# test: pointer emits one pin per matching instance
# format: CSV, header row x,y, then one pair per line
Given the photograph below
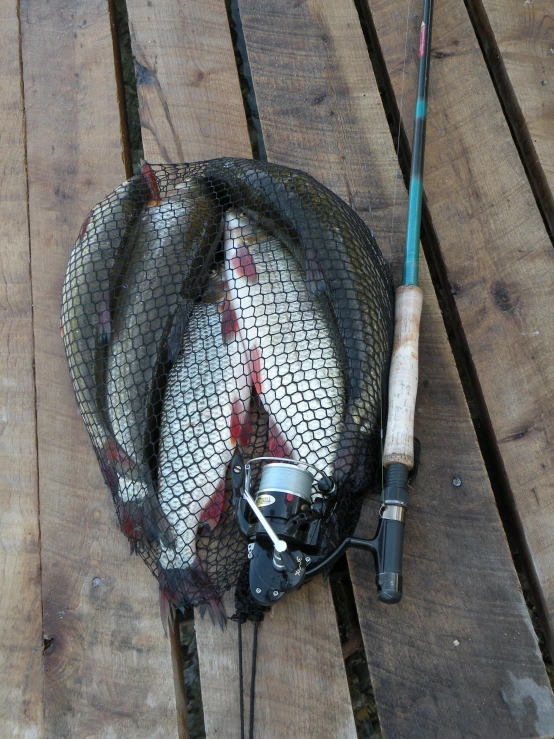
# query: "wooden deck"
x,y
82,650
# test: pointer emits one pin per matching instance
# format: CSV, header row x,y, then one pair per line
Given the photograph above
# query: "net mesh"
x,y
216,306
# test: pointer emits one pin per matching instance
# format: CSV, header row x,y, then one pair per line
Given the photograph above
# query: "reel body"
x,y
286,525
283,523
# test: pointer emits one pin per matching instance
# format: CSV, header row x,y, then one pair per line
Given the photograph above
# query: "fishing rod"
x,y
295,501
398,457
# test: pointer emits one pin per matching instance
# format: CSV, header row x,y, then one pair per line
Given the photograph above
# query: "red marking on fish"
x,y
115,454
61,328
241,424
211,513
131,517
229,321
84,226
243,265
152,182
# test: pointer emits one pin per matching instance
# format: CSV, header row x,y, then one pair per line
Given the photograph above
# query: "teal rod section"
x,y
413,227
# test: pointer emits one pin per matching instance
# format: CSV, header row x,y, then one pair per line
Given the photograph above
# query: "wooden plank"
x,y
462,607
208,121
21,676
459,656
518,38
189,95
108,667
499,261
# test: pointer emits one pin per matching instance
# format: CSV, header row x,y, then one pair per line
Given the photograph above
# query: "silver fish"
x,y
290,347
205,415
86,319
172,234
340,259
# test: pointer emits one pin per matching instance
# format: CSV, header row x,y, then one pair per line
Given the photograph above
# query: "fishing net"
x,y
221,306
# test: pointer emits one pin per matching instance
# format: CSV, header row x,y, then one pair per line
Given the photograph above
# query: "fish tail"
x,y
184,588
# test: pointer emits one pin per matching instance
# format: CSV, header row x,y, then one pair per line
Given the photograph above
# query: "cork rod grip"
x,y
399,440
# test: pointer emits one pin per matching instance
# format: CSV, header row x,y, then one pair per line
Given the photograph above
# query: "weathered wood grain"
x,y
499,261
300,687
189,94
518,38
458,657
108,666
208,121
21,676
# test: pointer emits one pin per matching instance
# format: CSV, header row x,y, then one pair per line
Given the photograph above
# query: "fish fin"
x,y
241,423
134,523
167,612
109,473
211,513
242,263
84,226
159,529
216,612
189,586
152,182
114,453
229,321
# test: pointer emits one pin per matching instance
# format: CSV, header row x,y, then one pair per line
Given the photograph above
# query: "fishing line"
x,y
252,680
241,682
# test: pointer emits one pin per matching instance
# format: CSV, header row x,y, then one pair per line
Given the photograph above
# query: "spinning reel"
x,y
286,523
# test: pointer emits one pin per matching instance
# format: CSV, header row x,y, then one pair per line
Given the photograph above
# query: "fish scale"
x,y
171,234
339,259
290,347
208,392
86,320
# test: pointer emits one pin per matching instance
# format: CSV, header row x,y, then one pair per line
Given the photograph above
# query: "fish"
x,y
340,259
86,320
290,344
205,418
174,233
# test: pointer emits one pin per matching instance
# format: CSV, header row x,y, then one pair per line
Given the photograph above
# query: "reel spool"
x,y
284,525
